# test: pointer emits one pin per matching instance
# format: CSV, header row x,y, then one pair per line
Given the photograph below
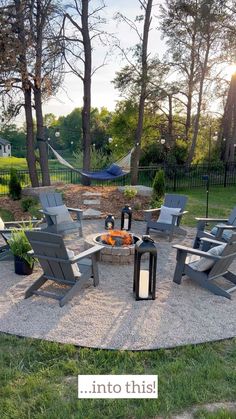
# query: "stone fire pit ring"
x,y
112,254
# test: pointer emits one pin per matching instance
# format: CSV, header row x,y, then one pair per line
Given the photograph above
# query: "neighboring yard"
x,y
20,163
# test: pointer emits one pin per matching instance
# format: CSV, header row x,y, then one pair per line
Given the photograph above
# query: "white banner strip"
x,y
117,386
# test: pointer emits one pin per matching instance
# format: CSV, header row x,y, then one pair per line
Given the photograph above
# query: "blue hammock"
x,y
104,174
115,171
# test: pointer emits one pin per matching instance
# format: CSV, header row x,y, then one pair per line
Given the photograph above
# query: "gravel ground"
x,y
109,317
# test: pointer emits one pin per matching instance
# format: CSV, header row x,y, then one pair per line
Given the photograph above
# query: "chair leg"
x,y
6,254
95,269
179,269
35,286
215,289
73,291
171,235
230,277
147,230
79,219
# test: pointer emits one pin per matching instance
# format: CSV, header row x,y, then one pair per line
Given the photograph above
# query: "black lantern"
x,y
109,222
126,218
144,284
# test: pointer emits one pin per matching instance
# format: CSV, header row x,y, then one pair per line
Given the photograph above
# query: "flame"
x,y
110,238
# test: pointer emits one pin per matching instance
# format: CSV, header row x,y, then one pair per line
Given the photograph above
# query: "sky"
x,y
104,94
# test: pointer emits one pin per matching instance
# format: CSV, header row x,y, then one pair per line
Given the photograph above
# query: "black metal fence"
x,y
177,177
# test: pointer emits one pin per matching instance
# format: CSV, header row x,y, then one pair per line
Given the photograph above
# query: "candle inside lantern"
x,y
144,284
126,224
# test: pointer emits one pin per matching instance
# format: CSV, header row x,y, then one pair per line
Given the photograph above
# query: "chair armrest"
x,y
175,217
211,219
195,252
179,214
182,213
226,226
86,253
9,230
213,241
75,209
200,253
6,230
19,223
152,210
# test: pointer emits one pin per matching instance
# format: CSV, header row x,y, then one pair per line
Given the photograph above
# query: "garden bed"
x,y
111,201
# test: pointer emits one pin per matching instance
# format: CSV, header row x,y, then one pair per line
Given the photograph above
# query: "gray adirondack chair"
x,y
223,229
170,201
220,267
57,267
54,199
5,232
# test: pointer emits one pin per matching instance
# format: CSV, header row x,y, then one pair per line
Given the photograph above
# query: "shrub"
x,y
28,202
156,203
34,212
130,192
137,206
14,186
159,185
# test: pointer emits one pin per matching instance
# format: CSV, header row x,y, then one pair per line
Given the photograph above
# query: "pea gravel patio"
x,y
109,317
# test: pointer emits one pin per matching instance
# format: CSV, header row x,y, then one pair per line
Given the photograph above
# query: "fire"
x,y
115,236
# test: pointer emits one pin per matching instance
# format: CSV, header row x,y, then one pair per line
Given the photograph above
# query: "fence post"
x,y
71,176
225,175
175,179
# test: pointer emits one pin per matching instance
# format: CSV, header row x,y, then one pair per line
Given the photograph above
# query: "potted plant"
x,y
20,247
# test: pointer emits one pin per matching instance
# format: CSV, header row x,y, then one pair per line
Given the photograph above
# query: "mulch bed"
x,y
111,201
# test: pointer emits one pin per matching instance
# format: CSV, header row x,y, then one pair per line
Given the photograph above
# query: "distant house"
x,y
5,148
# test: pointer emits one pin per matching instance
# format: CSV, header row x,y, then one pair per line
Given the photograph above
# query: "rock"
x,y
142,190
39,189
92,202
91,213
92,193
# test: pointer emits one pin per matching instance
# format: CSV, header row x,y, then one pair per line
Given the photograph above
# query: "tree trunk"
x,y
144,70
26,87
190,88
199,105
228,127
87,90
41,130
41,138
30,156
170,121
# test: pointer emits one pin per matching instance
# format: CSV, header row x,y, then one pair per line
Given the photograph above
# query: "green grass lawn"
x,y
221,202
17,162
39,379
20,163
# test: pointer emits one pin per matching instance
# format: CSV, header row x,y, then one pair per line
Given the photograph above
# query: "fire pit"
x,y
118,246
116,238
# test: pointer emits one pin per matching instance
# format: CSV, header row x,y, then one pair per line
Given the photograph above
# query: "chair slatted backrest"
x,y
175,201
221,266
51,252
50,199
232,217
